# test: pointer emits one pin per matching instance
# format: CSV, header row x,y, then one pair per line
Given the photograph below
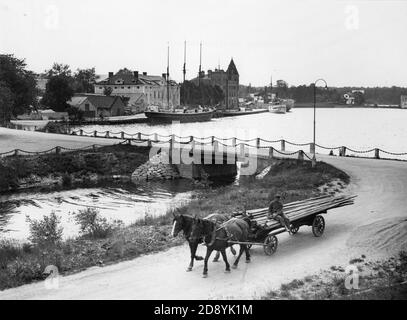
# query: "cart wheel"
x,y
318,225
294,230
270,245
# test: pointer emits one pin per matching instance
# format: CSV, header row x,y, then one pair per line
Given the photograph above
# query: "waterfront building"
x,y
141,89
96,105
227,80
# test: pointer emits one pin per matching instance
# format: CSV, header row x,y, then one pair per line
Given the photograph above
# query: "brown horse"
x,y
218,237
184,223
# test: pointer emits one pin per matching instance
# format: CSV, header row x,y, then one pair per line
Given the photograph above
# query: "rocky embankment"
x,y
156,168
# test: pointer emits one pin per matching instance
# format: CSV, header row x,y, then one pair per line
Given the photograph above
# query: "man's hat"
x,y
277,195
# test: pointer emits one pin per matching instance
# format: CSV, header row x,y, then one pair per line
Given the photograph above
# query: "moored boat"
x,y
278,108
233,113
180,113
182,116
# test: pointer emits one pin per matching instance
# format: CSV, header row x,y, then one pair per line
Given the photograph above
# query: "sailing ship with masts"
x,y
182,113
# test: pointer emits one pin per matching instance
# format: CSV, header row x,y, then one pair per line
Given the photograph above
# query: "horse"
x,y
217,238
184,222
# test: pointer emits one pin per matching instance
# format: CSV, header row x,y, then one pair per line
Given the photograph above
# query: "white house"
x,y
142,90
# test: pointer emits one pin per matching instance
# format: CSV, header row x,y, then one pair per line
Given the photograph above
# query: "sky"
x,y
348,43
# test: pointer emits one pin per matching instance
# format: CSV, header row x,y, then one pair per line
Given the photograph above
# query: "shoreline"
x,y
152,234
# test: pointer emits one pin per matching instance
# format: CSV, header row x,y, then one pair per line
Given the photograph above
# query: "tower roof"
x,y
232,68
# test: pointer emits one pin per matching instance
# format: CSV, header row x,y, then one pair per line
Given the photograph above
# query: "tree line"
x,y
19,93
305,93
205,94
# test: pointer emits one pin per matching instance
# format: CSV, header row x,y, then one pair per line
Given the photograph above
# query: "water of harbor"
x,y
356,128
126,203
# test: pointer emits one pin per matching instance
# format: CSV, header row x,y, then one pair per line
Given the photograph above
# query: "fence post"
x,y
312,148
258,143
342,151
122,135
192,142
233,142
57,150
94,147
138,135
213,140
376,153
149,144
95,133
155,137
16,152
171,147
242,150
300,155
81,132
282,145
271,151
107,134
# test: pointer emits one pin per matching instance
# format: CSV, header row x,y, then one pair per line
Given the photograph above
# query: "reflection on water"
x,y
127,203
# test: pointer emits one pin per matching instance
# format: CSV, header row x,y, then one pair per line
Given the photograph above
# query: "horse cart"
x,y
264,231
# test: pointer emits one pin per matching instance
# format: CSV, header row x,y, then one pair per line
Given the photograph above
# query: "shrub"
x,y
54,127
9,250
46,232
93,225
8,178
66,180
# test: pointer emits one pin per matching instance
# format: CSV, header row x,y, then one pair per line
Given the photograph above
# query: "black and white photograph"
x,y
228,152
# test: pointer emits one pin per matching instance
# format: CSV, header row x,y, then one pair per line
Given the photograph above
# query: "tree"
x,y
107,91
58,91
18,84
84,80
6,103
75,113
59,69
359,98
191,94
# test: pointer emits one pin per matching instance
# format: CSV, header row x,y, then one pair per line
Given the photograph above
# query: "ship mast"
x,y
200,64
184,70
168,76
200,71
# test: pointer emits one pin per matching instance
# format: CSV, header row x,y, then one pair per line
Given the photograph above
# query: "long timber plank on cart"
x,y
300,209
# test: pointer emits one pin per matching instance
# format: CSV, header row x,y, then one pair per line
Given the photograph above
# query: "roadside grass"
x,y
380,280
22,263
295,181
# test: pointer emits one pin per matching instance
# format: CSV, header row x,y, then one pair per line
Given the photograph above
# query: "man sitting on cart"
x,y
276,212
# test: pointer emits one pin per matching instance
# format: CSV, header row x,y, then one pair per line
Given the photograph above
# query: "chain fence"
x,y
259,143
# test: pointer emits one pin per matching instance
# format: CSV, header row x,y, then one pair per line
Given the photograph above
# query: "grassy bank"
x,y
295,181
68,168
377,280
23,263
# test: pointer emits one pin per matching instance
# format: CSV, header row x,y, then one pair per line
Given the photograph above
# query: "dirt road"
x,y
376,225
